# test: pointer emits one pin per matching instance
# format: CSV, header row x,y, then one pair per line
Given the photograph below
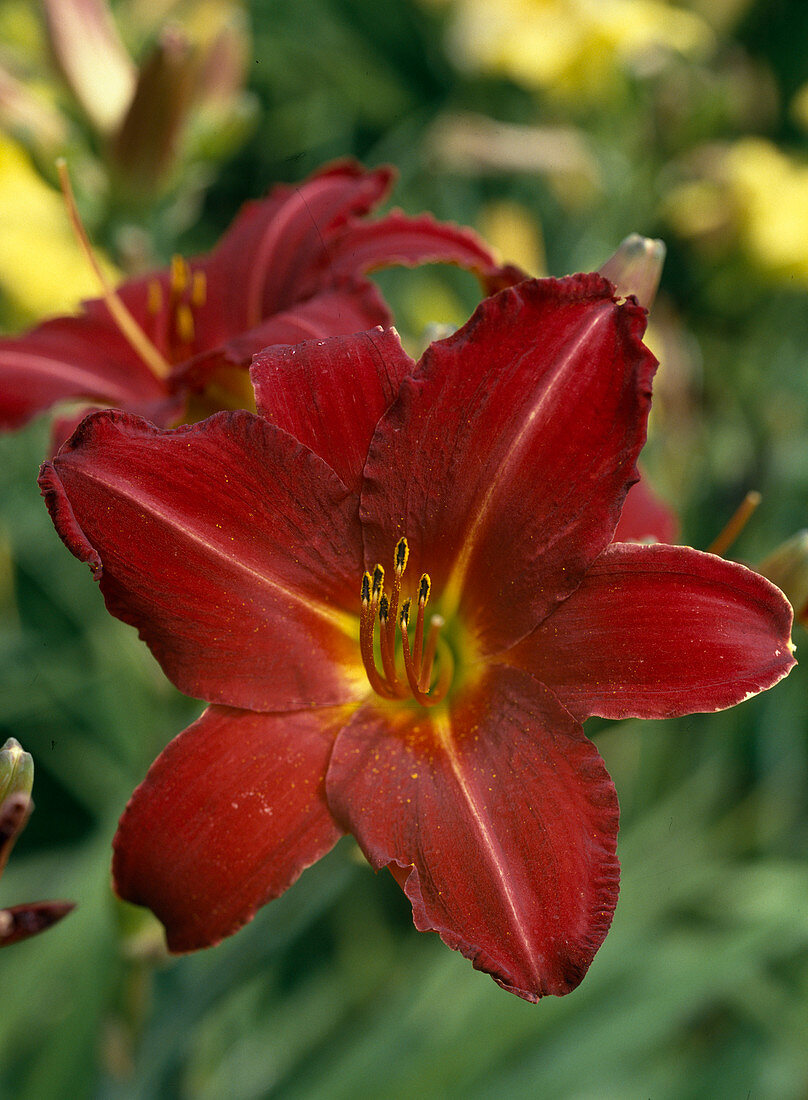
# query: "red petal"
x,y
657,631
505,814
71,358
506,459
645,518
227,818
163,413
329,394
409,241
353,307
265,257
230,546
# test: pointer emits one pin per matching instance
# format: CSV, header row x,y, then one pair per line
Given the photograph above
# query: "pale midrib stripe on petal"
x,y
341,620
272,235
454,586
488,843
86,382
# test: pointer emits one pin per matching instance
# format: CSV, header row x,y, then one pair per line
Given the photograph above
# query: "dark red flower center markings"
x,y
428,664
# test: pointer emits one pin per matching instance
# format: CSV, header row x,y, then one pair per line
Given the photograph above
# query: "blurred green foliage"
x,y
702,986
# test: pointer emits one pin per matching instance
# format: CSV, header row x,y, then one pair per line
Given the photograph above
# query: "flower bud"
x,y
16,770
22,921
636,268
146,147
16,780
787,567
92,58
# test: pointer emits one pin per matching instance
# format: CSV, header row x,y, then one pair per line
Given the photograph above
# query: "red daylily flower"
x,y
432,710
291,267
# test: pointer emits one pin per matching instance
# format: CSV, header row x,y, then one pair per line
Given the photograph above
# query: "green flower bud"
x,y
787,567
16,770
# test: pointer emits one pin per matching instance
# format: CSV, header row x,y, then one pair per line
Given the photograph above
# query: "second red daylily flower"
x,y
291,267
397,588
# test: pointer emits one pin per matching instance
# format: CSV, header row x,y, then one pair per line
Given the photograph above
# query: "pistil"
x,y
430,651
738,520
128,326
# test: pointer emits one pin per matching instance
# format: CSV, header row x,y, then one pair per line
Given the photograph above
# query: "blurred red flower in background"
x,y
291,267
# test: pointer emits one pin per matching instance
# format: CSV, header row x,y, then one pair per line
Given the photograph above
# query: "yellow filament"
x,y
130,329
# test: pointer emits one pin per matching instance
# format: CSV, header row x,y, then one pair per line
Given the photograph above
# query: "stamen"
x,y
199,289
184,322
130,329
367,618
419,659
424,698
179,275
400,556
722,542
388,650
423,596
155,297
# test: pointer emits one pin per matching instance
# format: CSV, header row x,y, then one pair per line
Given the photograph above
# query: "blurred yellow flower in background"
x,y
42,269
750,195
573,48
153,119
515,234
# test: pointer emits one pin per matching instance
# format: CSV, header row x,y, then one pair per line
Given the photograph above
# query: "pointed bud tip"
x,y
636,268
787,567
16,770
23,921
